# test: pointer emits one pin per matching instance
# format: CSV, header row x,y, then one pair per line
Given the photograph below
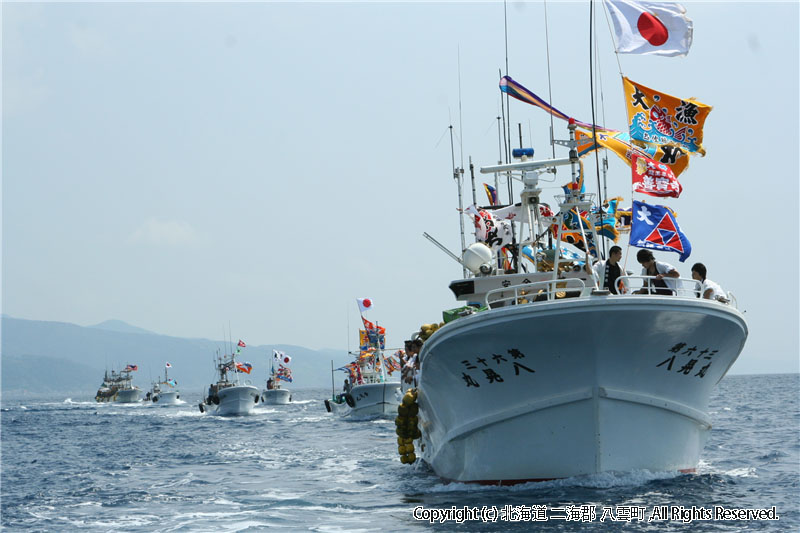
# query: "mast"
x,y
458,175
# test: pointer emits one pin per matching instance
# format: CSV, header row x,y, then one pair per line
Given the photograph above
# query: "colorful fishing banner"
x,y
620,144
655,227
376,335
512,88
131,368
491,193
244,367
495,233
658,118
653,178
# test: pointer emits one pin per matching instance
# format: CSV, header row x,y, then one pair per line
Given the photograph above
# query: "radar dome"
x,y
476,255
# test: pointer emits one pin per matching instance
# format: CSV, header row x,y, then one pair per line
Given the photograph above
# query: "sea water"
x,y
70,464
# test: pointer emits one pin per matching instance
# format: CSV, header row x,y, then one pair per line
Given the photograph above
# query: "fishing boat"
x,y
544,372
126,391
108,389
274,393
164,392
367,391
230,397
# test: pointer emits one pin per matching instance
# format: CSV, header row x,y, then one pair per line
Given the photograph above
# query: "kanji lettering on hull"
x,y
688,367
491,368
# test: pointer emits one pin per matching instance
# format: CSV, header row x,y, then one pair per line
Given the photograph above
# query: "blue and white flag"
x,y
655,227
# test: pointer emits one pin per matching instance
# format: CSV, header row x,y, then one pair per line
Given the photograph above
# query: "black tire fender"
x,y
349,399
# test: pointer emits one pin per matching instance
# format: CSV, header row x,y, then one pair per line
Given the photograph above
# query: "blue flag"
x,y
655,227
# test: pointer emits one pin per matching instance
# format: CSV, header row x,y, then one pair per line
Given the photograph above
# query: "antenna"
x,y
458,174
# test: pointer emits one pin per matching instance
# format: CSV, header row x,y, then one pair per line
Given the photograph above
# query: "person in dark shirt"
x,y
607,272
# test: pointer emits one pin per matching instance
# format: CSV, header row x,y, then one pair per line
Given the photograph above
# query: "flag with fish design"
x,y
658,118
620,144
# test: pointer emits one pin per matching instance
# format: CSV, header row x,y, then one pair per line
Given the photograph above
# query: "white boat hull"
x,y
276,397
374,399
128,396
233,401
574,387
166,398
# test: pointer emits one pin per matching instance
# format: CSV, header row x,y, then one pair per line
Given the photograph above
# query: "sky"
x,y
193,167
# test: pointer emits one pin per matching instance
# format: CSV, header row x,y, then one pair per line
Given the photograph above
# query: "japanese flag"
x,y
643,27
364,304
281,358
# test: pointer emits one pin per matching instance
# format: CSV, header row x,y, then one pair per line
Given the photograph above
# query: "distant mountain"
x,y
56,357
121,327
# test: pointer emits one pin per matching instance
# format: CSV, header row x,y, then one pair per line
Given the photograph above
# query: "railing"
x,y
684,287
535,292
549,290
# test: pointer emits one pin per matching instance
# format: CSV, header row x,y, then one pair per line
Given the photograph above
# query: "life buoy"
x,y
328,405
215,399
349,399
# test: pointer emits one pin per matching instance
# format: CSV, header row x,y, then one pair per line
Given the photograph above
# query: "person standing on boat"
x,y
665,275
347,387
708,289
607,272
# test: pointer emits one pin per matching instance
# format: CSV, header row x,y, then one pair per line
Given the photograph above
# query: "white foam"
x,y
603,480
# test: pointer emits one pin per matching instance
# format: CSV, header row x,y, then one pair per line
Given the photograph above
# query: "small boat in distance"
x,y
367,391
274,394
226,397
108,389
164,392
127,392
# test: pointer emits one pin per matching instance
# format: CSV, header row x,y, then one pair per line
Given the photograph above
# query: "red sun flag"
x,y
241,343
364,304
652,29
645,27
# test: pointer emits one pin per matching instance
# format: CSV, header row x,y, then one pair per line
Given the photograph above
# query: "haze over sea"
x,y
69,464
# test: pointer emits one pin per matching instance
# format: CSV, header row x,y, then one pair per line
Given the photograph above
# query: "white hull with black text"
x,y
373,399
550,376
561,404
276,396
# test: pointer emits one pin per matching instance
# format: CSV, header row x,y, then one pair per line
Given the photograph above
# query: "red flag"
x,y
241,343
653,178
370,326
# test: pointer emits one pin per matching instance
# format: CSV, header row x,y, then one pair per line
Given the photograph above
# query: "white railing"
x,y
684,287
541,291
535,292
